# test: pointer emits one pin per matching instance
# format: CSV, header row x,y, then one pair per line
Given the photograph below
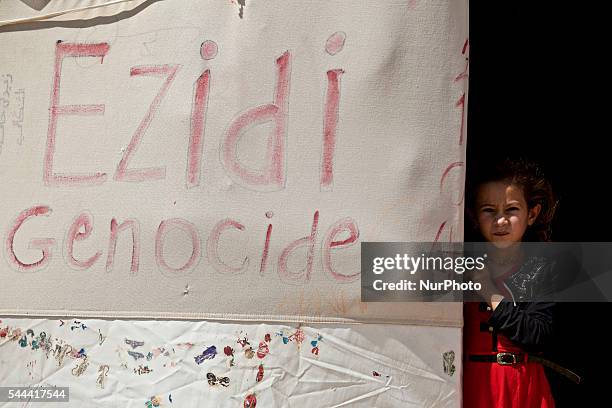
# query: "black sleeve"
x,y
530,325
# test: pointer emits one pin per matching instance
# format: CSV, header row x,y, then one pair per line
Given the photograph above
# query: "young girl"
x,y
508,203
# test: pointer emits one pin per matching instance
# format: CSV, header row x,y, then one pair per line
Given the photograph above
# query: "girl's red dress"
x,y
491,385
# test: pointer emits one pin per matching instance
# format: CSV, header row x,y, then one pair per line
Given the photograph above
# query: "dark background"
x,y
535,90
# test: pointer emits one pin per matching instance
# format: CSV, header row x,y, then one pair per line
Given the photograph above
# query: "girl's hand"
x,y
489,291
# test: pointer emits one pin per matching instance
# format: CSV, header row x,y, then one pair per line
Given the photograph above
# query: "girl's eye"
x,y
512,209
488,210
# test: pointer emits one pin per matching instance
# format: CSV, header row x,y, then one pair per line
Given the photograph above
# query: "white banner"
x,y
217,159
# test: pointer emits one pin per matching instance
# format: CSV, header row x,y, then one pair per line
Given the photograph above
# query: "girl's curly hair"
x,y
536,188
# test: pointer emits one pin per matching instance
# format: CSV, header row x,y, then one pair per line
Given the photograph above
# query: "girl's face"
x,y
502,213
